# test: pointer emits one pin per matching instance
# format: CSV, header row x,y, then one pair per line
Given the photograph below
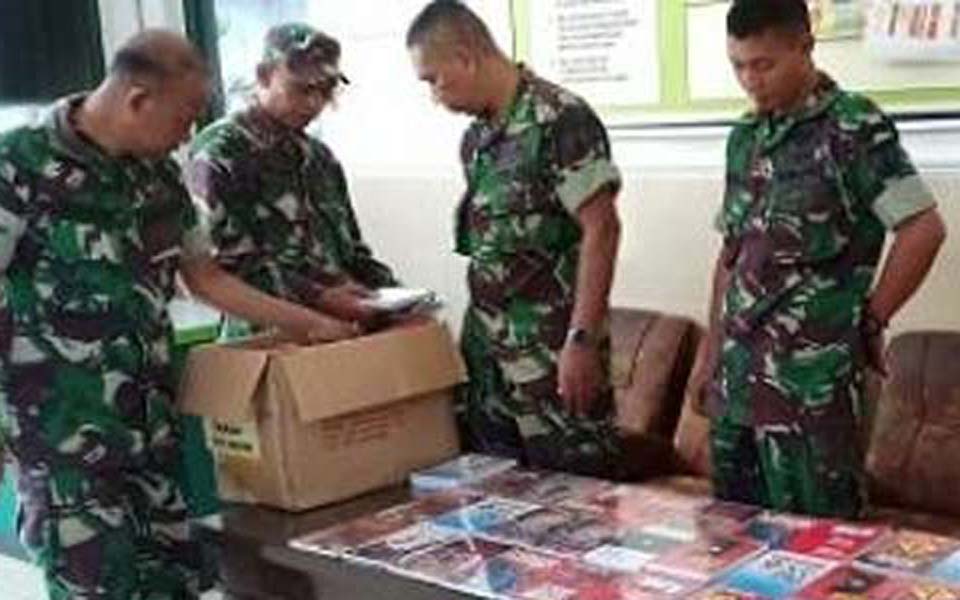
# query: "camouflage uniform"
x,y
278,207
809,196
89,247
526,177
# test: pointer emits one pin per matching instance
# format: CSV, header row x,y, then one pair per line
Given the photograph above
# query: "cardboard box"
x,y
298,427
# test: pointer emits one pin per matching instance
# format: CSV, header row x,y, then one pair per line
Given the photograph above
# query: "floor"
x,y
21,581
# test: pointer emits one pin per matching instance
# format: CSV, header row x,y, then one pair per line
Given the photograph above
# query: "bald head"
x,y
156,56
157,87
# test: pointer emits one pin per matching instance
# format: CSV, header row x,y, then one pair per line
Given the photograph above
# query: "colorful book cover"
x,y
631,551
910,551
560,530
834,540
349,536
559,488
704,559
571,580
452,562
653,586
720,592
776,574
848,582
395,548
514,484
925,590
638,505
721,517
947,569
485,515
509,572
461,471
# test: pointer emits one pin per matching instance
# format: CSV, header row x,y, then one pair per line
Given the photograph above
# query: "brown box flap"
x,y
220,382
354,375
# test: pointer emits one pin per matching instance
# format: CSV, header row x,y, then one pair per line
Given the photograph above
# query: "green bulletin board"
x,y
901,87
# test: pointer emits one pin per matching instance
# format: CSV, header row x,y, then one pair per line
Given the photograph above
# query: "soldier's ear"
x,y
136,97
264,73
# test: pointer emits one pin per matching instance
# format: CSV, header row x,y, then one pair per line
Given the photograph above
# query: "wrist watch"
x,y
581,336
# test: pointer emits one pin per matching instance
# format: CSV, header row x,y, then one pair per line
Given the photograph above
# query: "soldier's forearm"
x,y
231,295
598,255
915,246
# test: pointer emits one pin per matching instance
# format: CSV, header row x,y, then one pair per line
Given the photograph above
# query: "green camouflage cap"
x,y
305,51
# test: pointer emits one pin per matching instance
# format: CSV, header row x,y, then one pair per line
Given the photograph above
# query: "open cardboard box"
x,y
298,427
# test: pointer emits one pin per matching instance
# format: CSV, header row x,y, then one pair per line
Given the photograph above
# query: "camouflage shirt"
x,y
278,206
809,197
89,248
527,175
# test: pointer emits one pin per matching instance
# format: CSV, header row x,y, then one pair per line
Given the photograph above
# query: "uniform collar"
x,y
774,128
268,129
493,130
65,136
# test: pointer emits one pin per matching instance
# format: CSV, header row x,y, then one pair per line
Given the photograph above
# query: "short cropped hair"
x,y
450,21
747,18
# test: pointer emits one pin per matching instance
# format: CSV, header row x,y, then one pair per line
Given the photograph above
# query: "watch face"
x,y
579,336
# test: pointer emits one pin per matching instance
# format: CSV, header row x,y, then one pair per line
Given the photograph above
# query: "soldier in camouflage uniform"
x,y
280,212
94,223
539,225
815,178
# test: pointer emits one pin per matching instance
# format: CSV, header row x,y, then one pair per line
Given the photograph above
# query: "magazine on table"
x,y
636,504
449,563
511,572
850,581
776,574
631,551
484,516
347,537
393,549
722,592
947,569
559,530
834,540
706,558
459,472
541,487
909,551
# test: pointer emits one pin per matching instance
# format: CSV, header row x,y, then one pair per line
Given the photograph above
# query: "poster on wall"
x,y
836,19
605,51
915,30
849,47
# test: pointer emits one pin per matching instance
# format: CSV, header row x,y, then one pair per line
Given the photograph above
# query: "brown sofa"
x,y
912,441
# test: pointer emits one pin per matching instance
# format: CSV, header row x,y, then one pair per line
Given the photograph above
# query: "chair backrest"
x,y
651,358
914,453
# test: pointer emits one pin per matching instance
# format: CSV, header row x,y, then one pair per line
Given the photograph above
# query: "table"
x,y
256,562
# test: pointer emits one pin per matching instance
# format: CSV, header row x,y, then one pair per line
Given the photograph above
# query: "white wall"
x,y
400,154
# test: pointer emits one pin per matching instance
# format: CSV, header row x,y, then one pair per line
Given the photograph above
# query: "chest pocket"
x,y
513,210
807,211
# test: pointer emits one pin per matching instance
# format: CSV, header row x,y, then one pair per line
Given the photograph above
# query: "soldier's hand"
x,y
876,353
704,367
346,301
579,379
315,328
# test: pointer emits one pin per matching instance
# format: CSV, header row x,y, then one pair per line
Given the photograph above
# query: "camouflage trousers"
x,y
818,471
122,536
525,420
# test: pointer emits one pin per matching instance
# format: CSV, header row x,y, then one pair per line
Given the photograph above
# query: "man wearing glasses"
x,y
276,199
